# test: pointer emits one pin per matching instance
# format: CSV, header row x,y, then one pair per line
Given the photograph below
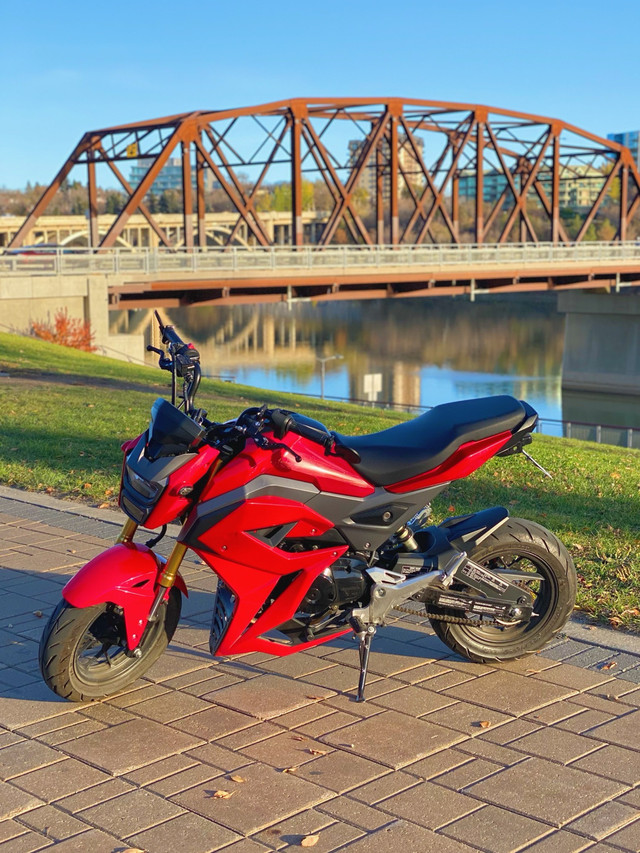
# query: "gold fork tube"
x,y
128,530
168,576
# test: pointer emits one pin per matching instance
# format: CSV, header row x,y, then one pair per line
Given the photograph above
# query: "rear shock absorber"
x,y
405,535
406,538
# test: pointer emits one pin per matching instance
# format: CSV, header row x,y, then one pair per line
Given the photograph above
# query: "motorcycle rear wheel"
x,y
83,653
522,545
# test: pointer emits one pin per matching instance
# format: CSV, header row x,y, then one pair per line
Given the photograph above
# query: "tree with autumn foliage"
x,y
66,331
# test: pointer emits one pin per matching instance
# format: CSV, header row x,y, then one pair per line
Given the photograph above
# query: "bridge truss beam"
x,y
370,285
389,171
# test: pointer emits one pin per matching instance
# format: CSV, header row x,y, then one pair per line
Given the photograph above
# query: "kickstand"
x,y
365,647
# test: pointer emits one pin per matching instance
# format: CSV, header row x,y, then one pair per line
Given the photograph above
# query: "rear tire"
x,y
82,651
528,545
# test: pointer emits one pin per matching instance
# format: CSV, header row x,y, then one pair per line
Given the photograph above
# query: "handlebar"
x,y
185,356
183,361
284,422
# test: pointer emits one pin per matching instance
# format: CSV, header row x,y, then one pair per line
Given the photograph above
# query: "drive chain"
x,y
445,617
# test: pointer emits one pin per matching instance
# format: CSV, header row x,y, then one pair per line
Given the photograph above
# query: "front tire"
x,y
83,651
523,545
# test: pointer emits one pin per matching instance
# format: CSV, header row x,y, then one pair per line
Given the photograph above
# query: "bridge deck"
x,y
180,277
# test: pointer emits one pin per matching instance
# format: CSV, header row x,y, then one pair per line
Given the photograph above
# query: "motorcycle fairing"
x,y
466,459
124,575
360,521
248,535
240,536
253,616
316,469
240,548
167,476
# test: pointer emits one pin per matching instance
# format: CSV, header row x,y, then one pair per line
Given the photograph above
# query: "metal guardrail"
x,y
601,434
150,261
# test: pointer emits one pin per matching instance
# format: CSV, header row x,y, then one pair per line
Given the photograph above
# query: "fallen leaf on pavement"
x,y
290,770
309,841
223,795
237,779
317,751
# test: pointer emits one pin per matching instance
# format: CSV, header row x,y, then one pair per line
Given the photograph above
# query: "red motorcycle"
x,y
312,534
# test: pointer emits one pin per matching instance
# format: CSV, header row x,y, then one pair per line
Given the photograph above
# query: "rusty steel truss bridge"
x,y
397,180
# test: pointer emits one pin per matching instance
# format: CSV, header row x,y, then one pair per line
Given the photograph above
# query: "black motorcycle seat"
x,y
420,445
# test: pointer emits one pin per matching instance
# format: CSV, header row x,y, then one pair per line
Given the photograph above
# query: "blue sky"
x,y
67,67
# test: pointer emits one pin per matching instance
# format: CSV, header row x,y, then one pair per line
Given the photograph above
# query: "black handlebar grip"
x,y
282,422
170,336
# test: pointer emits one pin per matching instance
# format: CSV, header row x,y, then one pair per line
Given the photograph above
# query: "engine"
x,y
341,584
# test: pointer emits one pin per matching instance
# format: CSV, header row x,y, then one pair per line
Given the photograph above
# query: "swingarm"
x,y
427,576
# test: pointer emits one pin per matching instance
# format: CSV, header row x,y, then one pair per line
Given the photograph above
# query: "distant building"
x,y
579,185
170,178
493,185
407,163
630,139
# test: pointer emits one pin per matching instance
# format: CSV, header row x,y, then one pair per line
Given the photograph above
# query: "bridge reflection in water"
x,y
410,354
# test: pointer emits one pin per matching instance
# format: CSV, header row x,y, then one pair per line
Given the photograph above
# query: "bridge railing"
x,y
149,261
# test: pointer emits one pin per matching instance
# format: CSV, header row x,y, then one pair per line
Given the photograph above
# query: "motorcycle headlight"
x,y
143,487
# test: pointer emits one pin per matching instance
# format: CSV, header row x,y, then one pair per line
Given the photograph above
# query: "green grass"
x,y
64,415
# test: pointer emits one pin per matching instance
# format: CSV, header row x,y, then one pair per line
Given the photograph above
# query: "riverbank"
x,y
65,413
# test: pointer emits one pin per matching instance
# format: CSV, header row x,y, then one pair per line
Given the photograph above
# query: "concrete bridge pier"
x,y
602,342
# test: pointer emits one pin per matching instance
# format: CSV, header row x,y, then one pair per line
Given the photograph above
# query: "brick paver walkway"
x,y
539,755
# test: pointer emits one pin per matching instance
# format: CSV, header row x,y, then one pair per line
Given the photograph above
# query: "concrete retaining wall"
x,y
602,342
38,298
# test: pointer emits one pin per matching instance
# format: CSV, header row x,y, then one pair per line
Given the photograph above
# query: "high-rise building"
x,y
630,139
408,165
170,178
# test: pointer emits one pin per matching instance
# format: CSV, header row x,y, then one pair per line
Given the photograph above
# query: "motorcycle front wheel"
x,y
524,546
83,651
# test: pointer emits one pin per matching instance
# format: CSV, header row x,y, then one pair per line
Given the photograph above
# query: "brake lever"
x,y
278,445
164,362
266,443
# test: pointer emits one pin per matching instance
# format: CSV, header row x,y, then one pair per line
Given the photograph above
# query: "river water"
x,y
412,353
